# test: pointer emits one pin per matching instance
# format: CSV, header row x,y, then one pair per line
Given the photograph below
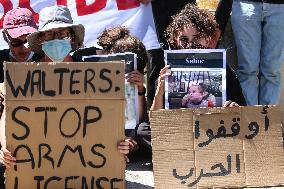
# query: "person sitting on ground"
x,y
58,36
195,28
119,40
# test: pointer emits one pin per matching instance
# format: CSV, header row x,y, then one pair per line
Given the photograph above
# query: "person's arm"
x,y
2,117
2,130
126,146
136,78
142,104
6,157
159,96
230,103
222,13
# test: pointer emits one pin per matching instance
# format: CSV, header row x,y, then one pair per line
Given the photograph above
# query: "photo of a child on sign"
x,y
195,89
198,97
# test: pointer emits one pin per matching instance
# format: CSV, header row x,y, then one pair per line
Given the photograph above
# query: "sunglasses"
x,y
17,43
13,42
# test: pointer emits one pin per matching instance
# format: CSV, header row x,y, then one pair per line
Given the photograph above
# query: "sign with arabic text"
x,y
218,147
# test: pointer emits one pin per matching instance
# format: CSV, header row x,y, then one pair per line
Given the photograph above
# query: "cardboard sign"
x,y
233,147
282,96
63,139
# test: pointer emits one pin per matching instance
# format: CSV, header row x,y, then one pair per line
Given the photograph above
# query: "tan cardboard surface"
x,y
282,95
105,134
264,152
222,147
65,80
175,143
67,143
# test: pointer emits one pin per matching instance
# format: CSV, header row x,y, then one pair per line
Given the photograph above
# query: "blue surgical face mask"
x,y
57,49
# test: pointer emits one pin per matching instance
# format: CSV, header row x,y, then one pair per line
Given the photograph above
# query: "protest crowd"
x,y
255,79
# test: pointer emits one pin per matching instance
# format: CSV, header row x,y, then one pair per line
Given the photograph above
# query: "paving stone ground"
x,y
139,173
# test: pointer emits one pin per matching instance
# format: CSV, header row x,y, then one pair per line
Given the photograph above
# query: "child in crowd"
x,y
198,97
195,28
119,40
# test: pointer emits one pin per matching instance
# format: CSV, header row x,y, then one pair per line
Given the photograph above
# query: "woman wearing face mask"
x,y
57,35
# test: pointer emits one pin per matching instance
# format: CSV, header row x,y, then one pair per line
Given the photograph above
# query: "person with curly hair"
x,y
195,28
119,40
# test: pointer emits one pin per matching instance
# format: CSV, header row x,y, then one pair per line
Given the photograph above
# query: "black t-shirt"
x,y
78,54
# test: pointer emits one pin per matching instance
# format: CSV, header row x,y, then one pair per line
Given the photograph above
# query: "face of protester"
x,y
18,48
56,33
56,44
195,94
189,38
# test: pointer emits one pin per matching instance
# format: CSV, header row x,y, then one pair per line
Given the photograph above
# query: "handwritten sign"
x,y
59,128
233,147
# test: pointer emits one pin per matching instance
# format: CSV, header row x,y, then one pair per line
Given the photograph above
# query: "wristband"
x,y
143,92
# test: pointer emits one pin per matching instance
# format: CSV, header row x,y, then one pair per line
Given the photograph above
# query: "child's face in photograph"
x,y
195,94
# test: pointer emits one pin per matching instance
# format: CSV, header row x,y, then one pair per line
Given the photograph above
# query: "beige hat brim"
x,y
35,44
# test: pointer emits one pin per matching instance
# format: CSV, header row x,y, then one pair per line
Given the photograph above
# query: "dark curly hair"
x,y
119,40
201,19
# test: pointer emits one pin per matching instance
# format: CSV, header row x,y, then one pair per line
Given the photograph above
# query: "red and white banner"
x,y
97,15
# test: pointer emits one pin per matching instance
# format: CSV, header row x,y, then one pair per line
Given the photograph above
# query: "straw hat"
x,y
56,17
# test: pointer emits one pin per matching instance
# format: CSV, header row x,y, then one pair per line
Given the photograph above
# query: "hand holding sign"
x,y
158,100
6,158
136,78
